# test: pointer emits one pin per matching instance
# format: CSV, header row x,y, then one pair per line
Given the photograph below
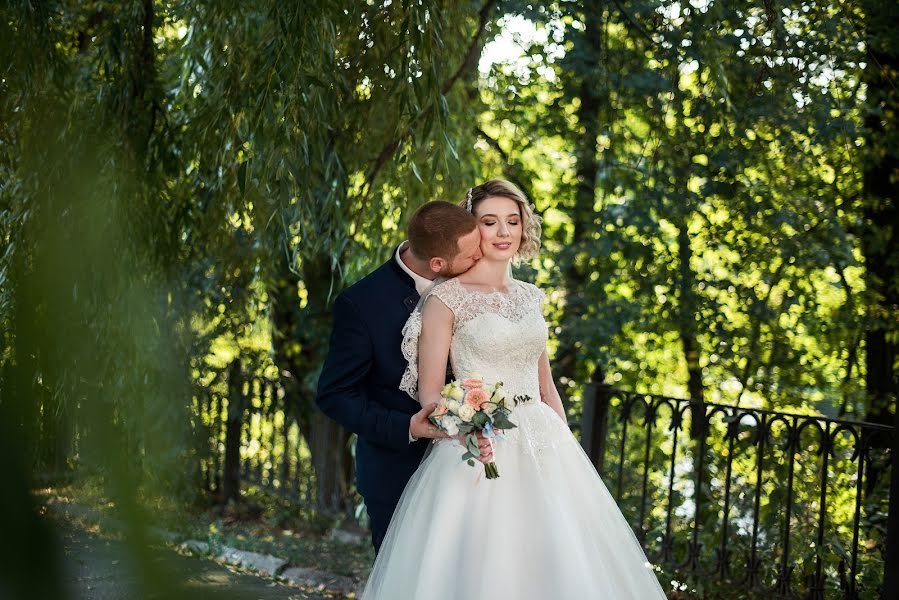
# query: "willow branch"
x,y
508,169
468,62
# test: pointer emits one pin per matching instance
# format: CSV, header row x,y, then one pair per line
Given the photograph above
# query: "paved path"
x,y
97,568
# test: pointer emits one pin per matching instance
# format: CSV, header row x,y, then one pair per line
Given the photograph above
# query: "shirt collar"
x,y
421,283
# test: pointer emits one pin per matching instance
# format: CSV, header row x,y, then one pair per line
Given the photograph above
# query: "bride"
x,y
547,528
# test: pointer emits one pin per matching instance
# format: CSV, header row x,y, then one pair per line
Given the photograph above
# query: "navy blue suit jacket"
x,y
359,383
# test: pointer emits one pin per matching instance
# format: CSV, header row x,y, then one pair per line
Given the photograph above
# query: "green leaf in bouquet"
x,y
472,445
501,421
480,419
470,462
466,428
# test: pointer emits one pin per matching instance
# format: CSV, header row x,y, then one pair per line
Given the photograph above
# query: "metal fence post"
x,y
595,418
233,429
891,555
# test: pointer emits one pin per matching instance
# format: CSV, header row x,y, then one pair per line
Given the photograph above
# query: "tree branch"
x,y
391,147
508,169
639,28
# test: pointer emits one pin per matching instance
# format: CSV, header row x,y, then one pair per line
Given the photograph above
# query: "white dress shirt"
x,y
421,284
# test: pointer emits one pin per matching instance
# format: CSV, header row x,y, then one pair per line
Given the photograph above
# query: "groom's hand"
x,y
420,427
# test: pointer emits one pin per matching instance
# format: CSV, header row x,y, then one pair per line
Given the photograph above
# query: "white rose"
x,y
466,412
490,407
451,425
453,406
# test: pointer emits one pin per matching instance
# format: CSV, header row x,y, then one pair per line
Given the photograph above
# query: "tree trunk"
x,y
891,552
328,441
878,236
55,435
583,213
687,305
881,206
22,389
332,462
139,115
309,327
881,254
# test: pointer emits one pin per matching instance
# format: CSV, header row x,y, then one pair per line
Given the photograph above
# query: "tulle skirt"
x,y
546,529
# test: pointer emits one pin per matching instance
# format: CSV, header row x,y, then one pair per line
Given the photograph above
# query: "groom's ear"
x,y
437,264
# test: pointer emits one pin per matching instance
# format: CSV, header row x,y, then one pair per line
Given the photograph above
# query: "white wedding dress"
x,y
547,528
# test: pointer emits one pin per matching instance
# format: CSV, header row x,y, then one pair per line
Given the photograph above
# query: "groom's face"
x,y
469,253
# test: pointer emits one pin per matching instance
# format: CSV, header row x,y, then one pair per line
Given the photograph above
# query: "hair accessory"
x,y
468,200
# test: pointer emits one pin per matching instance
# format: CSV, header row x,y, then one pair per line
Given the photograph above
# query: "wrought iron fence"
x,y
269,448
741,500
773,504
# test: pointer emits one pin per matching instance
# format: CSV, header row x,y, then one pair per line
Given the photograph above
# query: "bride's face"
x,y
500,224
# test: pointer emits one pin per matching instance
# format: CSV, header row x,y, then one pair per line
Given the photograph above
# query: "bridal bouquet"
x,y
470,406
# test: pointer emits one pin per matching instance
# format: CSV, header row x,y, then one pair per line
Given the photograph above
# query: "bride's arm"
x,y
548,391
433,349
433,353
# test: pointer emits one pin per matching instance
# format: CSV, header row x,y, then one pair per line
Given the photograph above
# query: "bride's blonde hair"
x,y
530,236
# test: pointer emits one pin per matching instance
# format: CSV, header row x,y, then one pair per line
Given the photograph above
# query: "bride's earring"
x,y
468,200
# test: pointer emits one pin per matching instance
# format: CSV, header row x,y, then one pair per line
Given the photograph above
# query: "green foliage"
x,y
185,186
726,203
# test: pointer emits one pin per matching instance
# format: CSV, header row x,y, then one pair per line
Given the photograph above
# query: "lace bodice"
x,y
497,335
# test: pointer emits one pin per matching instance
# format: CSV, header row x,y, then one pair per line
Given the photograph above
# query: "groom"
x,y
359,383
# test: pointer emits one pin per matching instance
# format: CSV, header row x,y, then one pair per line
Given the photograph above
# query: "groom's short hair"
x,y
435,228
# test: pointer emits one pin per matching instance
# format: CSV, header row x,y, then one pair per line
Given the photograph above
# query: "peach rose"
x,y
472,383
440,410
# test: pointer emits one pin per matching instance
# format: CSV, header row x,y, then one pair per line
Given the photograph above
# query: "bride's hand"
x,y
485,447
421,427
